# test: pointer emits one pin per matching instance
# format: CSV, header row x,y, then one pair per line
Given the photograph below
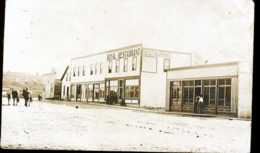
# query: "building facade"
x,y
51,86
146,77
133,73
65,81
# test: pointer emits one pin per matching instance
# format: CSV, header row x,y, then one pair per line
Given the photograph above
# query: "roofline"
x,y
109,51
203,66
64,73
49,73
167,51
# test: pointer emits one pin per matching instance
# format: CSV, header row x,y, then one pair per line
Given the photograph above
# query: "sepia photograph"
x,y
128,75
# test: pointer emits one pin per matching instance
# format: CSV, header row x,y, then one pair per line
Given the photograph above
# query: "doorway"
x,y
78,93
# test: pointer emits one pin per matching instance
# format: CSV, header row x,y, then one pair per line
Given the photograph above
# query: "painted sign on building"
x,y
124,54
153,53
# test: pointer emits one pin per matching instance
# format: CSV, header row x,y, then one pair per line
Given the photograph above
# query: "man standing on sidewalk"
x,y
200,104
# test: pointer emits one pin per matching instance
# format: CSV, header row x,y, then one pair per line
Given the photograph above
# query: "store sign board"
x,y
124,54
149,64
152,53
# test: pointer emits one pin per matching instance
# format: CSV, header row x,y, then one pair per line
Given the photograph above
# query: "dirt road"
x,y
59,125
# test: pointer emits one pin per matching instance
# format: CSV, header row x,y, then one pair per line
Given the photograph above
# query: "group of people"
x,y
15,96
112,98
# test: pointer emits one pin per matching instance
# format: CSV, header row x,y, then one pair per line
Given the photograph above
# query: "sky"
x,y
41,34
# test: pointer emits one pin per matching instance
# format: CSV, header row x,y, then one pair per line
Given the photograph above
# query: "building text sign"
x,y
152,53
124,54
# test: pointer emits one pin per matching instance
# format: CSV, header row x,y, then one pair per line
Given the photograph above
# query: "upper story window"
x,y
125,64
91,69
79,70
67,76
166,64
74,71
101,68
110,67
117,65
134,64
96,68
84,70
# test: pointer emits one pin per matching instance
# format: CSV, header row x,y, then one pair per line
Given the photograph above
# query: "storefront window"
x,y
102,92
83,93
96,92
176,92
73,91
224,96
209,92
132,88
188,91
113,86
90,92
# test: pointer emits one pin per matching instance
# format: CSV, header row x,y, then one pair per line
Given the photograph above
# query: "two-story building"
x,y
133,73
147,77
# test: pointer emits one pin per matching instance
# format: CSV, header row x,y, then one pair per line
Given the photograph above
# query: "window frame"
x,y
164,63
134,63
117,66
125,65
110,66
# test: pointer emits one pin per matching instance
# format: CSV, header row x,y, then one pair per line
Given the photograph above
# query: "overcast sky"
x,y
41,34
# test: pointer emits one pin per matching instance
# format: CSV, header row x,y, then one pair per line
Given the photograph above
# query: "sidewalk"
x,y
158,111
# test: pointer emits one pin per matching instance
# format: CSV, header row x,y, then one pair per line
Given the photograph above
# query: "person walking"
x,y
8,98
14,96
200,104
26,96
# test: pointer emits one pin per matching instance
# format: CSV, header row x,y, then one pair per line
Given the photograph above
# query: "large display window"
x,y
132,88
216,93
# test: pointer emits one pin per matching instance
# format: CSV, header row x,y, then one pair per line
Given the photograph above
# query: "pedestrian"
x,y
200,104
14,96
26,96
8,98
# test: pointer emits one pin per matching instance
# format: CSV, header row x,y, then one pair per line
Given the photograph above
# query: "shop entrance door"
x,y
175,95
121,90
78,94
198,92
68,88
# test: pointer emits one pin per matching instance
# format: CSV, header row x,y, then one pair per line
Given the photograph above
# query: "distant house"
x,y
20,81
51,86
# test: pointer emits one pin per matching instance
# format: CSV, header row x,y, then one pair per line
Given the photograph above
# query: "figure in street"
x,y
15,97
8,98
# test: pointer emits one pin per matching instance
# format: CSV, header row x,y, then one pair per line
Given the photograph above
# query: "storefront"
x,y
124,88
88,92
216,83
218,95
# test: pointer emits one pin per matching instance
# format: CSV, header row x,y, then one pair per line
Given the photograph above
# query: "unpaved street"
x,y
99,127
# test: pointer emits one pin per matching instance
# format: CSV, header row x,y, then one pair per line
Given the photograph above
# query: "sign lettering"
x,y
124,54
